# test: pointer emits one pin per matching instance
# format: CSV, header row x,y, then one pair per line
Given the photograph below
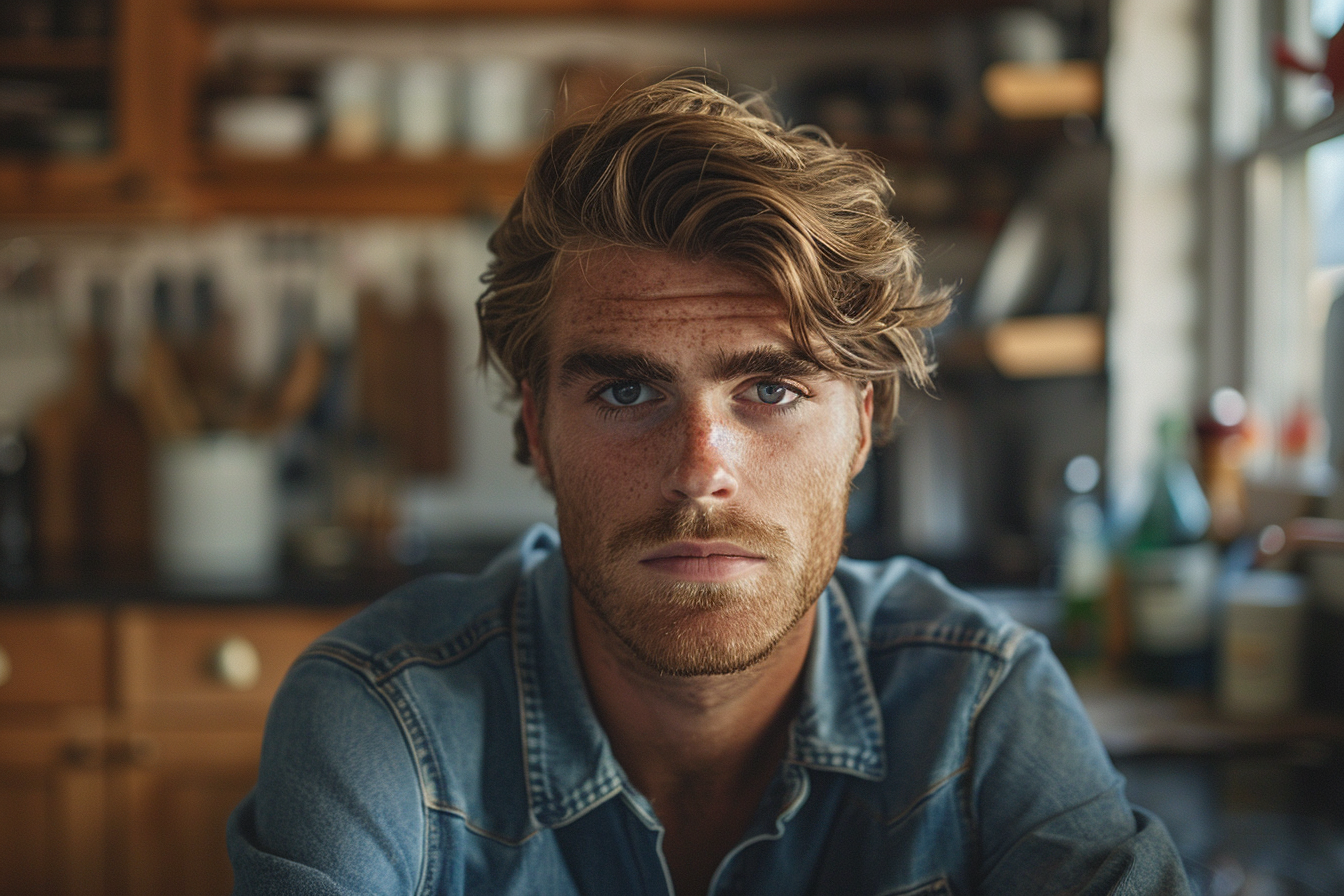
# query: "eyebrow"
x,y
604,365
768,360
764,360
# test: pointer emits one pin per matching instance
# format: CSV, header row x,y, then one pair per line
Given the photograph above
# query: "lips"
x,y
703,561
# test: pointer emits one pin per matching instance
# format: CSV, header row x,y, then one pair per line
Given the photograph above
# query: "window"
x,y
1277,140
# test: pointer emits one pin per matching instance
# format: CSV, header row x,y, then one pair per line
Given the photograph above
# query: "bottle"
x,y
1084,568
1170,571
1223,440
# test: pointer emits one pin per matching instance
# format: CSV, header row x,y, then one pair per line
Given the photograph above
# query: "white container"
x,y
502,102
1260,646
352,101
423,107
218,515
274,126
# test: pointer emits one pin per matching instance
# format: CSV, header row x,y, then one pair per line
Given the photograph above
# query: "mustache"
x,y
692,523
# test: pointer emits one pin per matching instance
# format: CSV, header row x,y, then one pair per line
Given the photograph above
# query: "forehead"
x,y
611,290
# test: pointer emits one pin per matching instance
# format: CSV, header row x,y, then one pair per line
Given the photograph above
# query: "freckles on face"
x,y
700,461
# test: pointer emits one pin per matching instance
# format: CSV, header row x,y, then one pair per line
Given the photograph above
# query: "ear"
x,y
865,430
532,425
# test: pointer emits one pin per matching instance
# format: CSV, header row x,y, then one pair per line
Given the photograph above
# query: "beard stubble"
x,y
686,629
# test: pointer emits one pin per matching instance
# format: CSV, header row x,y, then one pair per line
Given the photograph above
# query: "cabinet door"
x,y
147,65
53,684
192,687
172,791
52,820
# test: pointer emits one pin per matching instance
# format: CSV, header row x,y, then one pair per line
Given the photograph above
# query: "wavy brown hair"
x,y
681,167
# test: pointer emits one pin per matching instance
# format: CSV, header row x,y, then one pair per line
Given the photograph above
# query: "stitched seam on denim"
x,y
427,767
988,686
570,819
803,786
805,748
546,808
524,707
355,663
479,831
937,885
381,667
431,864
1099,795
466,642
934,788
951,636
991,682
428,773
417,743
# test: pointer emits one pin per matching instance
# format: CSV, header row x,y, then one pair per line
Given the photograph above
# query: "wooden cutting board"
x,y
57,431
424,439
404,385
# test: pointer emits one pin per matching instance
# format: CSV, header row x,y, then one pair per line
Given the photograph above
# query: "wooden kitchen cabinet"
x,y
663,9
157,60
128,734
146,64
53,694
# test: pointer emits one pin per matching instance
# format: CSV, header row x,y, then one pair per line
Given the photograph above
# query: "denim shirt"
x,y
442,742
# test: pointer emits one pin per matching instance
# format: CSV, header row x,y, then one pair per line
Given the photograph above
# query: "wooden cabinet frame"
x,y
123,747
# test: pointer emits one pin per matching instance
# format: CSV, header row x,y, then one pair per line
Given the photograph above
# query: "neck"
x,y
701,749
692,723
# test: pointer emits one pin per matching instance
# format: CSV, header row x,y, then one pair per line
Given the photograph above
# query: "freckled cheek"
x,y
602,465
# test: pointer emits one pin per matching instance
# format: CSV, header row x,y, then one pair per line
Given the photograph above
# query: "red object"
x,y
1332,68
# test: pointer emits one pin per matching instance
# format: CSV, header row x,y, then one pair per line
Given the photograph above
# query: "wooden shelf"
x,y
407,8
1018,91
103,189
75,54
1035,347
645,9
456,184
158,169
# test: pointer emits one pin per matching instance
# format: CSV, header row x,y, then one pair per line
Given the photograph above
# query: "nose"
x,y
701,466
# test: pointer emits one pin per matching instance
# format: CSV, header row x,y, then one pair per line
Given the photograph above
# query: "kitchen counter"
x,y
295,586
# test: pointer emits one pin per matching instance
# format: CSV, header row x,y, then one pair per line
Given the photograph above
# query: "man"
x,y
704,316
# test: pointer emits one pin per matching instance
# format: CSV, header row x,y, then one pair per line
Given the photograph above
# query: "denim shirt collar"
x,y
570,766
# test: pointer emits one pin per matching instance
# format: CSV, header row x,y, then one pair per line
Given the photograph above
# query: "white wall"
x,y
1154,96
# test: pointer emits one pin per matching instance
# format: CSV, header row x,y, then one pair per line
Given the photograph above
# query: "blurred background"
x,y
240,246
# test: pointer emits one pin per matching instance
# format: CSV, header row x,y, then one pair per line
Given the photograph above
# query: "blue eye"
x,y
775,393
627,394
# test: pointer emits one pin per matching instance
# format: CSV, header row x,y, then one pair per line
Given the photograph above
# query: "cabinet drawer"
x,y
52,656
219,665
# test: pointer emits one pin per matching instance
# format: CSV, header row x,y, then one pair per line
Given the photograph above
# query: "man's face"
x,y
700,463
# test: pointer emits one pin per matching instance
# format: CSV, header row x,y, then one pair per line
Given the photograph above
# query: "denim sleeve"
x,y
1049,808
337,808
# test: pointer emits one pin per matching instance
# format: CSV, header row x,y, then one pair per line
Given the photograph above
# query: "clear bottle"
x,y
1084,568
1170,572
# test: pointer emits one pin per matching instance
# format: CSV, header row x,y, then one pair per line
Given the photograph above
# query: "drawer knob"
x,y
237,664
6,667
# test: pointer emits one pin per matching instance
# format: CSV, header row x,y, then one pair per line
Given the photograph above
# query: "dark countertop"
x,y
294,586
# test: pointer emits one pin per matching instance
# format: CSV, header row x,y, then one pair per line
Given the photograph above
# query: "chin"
x,y
696,629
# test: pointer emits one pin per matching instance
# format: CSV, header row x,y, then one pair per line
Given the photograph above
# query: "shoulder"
x,y
902,602
958,683
425,680
437,619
